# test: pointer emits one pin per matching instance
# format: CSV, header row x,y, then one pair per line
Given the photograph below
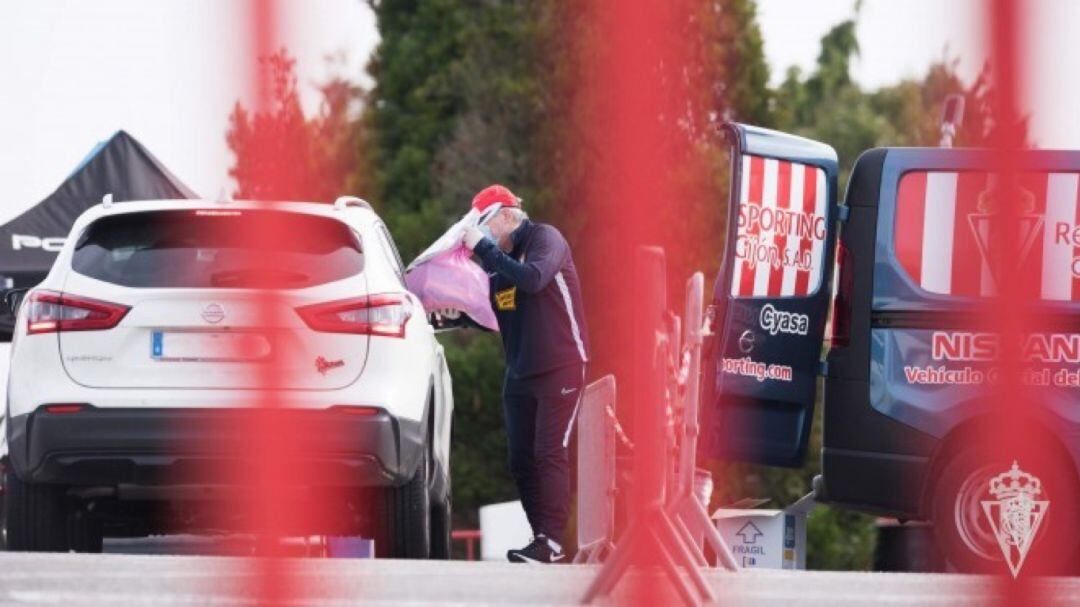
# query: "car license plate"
x,y
199,346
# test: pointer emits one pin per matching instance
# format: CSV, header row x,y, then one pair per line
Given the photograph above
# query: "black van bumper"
x,y
870,461
880,483
160,447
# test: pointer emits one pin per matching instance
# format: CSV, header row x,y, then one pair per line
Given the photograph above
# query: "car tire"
x,y
440,528
84,532
962,531
35,516
405,529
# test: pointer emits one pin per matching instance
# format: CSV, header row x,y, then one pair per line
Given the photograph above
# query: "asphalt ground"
x,y
162,579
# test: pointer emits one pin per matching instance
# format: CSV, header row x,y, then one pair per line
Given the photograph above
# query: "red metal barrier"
x,y
470,537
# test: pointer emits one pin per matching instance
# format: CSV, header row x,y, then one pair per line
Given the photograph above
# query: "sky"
x,y
898,38
166,71
169,71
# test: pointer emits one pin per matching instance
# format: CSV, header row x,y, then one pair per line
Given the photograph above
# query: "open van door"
x,y
771,297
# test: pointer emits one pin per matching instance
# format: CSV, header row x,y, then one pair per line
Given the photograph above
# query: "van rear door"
x,y
771,297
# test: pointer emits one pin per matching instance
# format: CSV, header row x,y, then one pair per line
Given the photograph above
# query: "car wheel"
x,y
440,528
84,532
968,536
405,526
35,516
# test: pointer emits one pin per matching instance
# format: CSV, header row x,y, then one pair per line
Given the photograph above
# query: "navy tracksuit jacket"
x,y
536,296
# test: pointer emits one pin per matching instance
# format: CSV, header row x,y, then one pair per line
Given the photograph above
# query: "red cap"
x,y
495,195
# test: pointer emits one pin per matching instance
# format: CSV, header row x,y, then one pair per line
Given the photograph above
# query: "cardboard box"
x,y
766,539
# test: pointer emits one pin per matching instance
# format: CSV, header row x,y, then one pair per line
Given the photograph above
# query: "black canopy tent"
x,y
120,167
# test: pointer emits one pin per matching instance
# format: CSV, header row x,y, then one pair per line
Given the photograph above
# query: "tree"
x,y
282,155
829,106
454,109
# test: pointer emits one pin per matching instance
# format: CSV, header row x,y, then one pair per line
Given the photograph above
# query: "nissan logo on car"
x,y
776,321
213,313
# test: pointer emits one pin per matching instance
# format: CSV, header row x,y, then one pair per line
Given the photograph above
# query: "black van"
x,y
907,369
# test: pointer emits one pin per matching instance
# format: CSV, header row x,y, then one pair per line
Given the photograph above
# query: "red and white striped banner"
x,y
782,226
945,227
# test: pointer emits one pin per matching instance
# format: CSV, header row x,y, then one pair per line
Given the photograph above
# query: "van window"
x,y
945,230
782,227
218,249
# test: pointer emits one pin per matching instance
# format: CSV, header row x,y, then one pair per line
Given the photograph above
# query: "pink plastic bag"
x,y
450,279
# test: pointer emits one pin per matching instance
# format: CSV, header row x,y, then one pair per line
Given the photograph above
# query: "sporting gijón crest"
x,y
988,223
1015,513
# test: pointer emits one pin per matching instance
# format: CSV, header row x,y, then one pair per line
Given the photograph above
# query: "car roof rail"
x,y
344,202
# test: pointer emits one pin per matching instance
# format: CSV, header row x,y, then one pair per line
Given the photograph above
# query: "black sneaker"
x,y
541,550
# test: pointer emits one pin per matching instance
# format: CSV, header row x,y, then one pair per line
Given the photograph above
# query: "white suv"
x,y
151,337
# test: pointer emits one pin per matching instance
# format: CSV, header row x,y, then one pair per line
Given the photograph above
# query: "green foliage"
x,y
453,110
839,540
456,107
282,154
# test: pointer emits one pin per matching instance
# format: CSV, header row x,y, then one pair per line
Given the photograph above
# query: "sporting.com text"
x,y
760,371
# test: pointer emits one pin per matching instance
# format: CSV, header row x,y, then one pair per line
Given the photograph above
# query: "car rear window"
x,y
218,249
945,230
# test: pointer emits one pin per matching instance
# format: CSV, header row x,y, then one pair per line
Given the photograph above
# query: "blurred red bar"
x,y
631,96
1014,425
268,449
470,537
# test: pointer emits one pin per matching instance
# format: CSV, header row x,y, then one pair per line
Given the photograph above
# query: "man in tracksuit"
x,y
537,299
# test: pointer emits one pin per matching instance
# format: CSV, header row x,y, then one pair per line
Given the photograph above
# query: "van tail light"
x,y
841,321
53,312
384,315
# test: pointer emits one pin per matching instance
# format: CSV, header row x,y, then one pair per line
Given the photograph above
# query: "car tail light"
x,y
841,321
52,312
384,315
64,408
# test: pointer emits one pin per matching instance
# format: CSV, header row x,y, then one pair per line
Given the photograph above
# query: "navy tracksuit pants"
x,y
540,412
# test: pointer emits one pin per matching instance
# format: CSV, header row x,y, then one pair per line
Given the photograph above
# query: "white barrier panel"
x,y
502,527
596,470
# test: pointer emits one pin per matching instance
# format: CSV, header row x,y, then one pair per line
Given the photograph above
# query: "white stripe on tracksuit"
x,y
570,312
573,416
580,346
